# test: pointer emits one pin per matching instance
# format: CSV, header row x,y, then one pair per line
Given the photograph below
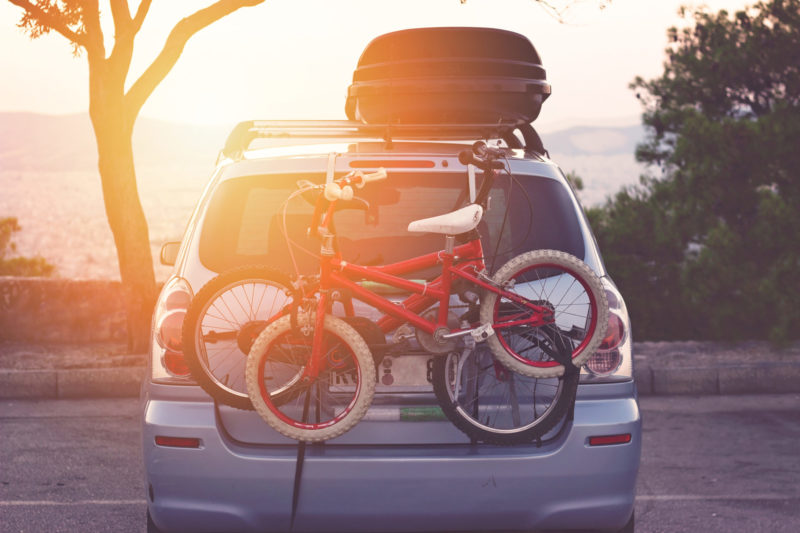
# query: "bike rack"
x,y
244,133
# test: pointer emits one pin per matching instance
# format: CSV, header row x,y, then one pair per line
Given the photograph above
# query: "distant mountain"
x,y
594,140
602,157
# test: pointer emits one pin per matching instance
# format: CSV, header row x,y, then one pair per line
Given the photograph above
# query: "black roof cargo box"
x,y
448,75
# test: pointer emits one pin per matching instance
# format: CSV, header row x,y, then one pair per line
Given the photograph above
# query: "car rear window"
x,y
244,222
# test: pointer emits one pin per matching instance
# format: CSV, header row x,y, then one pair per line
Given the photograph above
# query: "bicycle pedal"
x,y
481,333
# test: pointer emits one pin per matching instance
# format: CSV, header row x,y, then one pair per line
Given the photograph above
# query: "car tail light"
x,y
177,299
608,358
175,363
177,442
167,353
613,359
168,329
605,440
614,333
603,363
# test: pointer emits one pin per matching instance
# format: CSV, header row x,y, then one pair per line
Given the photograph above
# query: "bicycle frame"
x,y
464,262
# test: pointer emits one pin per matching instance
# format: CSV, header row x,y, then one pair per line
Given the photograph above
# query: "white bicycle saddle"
x,y
453,223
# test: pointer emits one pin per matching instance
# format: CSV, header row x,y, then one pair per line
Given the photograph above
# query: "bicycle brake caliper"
x,y
486,277
482,332
508,285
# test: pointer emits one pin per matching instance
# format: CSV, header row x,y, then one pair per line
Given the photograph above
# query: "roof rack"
x,y
246,132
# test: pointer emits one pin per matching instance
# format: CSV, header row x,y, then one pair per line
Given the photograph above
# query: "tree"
x,y
561,9
708,247
15,265
114,106
575,181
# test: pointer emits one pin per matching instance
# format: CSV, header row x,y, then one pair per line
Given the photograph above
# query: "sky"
x,y
293,59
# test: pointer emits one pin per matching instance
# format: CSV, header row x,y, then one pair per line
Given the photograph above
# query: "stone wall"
x,y
61,310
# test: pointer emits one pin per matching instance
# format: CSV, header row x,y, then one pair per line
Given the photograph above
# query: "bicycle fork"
x,y
316,361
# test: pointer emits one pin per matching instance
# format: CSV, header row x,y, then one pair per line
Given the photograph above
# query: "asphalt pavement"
x,y
71,466
720,463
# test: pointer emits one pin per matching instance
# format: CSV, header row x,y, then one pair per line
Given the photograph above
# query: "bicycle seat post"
x,y
449,244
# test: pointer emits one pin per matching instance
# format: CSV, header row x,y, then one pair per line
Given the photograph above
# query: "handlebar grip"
x,y
466,157
479,148
334,192
483,150
379,174
360,179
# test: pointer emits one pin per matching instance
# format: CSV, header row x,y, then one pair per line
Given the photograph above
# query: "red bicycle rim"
x,y
587,337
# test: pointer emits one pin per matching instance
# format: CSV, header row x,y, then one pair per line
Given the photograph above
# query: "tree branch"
x,y
141,13
95,42
51,22
124,33
121,14
176,41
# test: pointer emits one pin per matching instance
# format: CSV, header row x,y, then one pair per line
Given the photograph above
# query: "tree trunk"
x,y
114,131
113,113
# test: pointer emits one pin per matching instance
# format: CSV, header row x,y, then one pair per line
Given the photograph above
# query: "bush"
x,y
16,265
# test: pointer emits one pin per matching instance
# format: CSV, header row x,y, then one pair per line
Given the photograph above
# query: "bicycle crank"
x,y
438,342
479,334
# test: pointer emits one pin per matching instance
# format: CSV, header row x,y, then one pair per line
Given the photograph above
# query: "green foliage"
x,y
575,181
18,266
710,248
46,13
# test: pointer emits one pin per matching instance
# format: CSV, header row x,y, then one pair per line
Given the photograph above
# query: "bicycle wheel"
x,y
222,322
491,404
576,298
326,407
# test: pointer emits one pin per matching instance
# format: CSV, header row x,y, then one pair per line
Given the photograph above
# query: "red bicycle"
x,y
311,375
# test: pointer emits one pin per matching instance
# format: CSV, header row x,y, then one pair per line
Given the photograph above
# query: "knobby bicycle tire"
x,y
493,405
345,351
226,295
579,306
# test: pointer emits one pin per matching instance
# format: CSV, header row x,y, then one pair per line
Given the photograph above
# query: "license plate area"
x,y
396,374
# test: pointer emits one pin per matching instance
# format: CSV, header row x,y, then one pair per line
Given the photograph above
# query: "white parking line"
x,y
709,497
640,497
20,503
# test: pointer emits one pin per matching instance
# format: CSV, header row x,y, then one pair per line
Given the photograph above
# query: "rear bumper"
x,y
229,486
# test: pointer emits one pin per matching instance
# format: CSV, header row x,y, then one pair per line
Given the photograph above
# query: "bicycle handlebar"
x,y
486,159
482,157
483,150
335,191
379,174
342,189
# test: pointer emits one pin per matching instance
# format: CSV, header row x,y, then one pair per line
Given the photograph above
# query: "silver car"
x,y
404,467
